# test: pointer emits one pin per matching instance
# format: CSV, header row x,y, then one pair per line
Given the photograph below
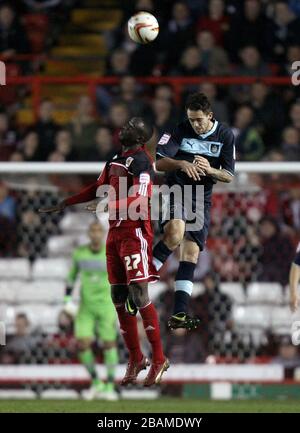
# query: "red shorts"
x,y
129,256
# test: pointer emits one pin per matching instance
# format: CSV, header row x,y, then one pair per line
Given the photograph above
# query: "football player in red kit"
x,y
129,175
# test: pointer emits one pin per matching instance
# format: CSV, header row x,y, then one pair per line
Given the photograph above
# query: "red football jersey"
x,y
129,176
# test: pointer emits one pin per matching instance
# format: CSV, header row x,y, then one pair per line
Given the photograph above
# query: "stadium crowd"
x,y
198,39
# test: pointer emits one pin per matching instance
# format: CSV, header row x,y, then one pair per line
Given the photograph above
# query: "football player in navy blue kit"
x,y
200,151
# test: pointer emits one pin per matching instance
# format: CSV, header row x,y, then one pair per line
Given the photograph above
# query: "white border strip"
x,y
184,372
97,167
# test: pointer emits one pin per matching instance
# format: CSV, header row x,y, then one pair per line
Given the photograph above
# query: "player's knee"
x,y
84,343
109,345
190,252
174,233
119,293
139,295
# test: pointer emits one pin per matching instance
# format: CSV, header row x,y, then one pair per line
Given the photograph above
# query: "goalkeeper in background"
x,y
96,316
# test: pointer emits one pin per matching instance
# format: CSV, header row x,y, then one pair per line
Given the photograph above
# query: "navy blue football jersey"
x,y
217,146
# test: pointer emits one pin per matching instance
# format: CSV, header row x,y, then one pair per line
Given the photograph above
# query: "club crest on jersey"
x,y
214,148
164,139
128,161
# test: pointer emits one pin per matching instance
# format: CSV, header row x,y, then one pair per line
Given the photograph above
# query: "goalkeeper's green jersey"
x,y
91,266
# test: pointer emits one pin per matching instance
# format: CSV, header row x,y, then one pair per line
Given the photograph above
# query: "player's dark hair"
x,y
198,101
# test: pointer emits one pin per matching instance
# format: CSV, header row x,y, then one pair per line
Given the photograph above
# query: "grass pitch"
x,y
163,405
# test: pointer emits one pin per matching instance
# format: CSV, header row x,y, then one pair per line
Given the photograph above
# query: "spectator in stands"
x,y
164,115
288,354
292,55
119,63
252,64
250,28
178,34
290,144
7,137
7,203
103,147
64,145
213,308
83,127
295,115
184,347
46,129
31,229
219,107
16,157
190,63
13,38
118,115
129,94
277,252
8,240
286,29
21,345
215,22
269,113
30,147
165,91
214,59
249,144
56,157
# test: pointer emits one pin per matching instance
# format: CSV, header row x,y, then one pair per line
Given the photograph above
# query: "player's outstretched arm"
x,y
58,208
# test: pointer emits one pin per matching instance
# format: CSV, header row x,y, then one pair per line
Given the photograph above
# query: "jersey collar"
x,y
211,131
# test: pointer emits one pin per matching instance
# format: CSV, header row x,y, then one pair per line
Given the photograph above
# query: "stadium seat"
x,y
198,289
41,291
235,291
76,222
9,290
40,315
252,316
156,289
61,245
15,268
50,268
264,293
282,317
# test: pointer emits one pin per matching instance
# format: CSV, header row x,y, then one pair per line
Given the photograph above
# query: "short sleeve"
x,y
168,144
227,157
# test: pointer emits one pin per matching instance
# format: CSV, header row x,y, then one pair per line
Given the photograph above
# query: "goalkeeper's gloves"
x,y
69,306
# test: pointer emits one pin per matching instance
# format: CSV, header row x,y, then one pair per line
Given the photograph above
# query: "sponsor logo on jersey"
x,y
164,139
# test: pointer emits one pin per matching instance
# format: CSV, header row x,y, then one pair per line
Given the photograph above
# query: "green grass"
x,y
170,405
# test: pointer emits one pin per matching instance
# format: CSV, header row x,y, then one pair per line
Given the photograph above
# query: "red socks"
x,y
129,331
151,326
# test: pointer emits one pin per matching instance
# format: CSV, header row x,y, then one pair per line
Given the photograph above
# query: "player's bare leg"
x,y
139,294
129,330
